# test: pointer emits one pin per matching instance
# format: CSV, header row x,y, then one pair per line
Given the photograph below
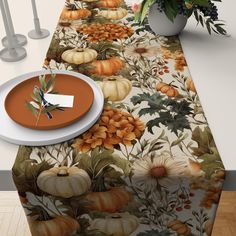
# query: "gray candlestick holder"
x,y
18,39
37,32
12,52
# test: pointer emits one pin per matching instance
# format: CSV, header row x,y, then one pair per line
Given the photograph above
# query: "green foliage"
x,y
155,232
47,85
204,140
145,8
201,217
202,3
32,108
102,161
172,114
50,108
95,17
105,49
25,171
211,162
140,16
74,206
141,27
55,50
206,150
211,25
93,232
171,10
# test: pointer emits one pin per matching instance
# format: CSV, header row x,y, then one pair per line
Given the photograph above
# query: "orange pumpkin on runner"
x,y
167,89
109,3
58,226
179,227
109,201
190,85
106,67
72,13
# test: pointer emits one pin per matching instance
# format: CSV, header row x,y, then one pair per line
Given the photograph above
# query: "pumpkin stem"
x,y
42,213
98,184
116,217
62,173
65,24
102,55
112,79
79,50
22,194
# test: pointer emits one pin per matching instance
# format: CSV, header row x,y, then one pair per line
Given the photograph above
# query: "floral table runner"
x,y
149,166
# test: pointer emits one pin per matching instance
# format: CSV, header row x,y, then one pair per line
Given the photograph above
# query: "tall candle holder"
x,y
13,52
37,32
18,39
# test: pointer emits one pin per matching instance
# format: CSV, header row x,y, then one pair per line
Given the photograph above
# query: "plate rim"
x,y
72,134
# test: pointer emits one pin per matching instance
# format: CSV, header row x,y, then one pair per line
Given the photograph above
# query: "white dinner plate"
x,y
17,134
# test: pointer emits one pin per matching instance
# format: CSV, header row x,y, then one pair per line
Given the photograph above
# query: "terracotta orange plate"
x,y
64,85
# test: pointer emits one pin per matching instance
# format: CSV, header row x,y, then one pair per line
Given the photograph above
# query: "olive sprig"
x,y
39,105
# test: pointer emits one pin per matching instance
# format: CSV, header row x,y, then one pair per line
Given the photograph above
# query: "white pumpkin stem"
x,y
112,79
62,172
116,217
79,50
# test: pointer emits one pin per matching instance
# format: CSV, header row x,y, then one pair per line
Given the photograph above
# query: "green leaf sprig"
x,y
36,106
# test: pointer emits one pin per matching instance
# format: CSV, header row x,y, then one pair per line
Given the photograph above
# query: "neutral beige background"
x,y
211,61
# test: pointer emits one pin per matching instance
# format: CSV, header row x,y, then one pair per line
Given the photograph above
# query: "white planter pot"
x,y
161,25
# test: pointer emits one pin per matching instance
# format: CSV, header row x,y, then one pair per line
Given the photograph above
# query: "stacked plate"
x,y
18,123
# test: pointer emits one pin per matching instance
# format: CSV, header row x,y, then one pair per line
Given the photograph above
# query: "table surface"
x,y
210,59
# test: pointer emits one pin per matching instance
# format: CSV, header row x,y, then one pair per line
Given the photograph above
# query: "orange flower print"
x,y
114,127
180,61
178,56
126,136
91,139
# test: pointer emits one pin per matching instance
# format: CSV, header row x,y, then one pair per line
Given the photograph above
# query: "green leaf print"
x,y
206,150
100,159
211,162
204,140
172,114
155,232
174,123
25,171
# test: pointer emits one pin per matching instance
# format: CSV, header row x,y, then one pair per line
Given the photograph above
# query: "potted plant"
x,y
169,17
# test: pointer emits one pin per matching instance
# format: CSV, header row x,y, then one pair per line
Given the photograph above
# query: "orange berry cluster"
x,y
105,32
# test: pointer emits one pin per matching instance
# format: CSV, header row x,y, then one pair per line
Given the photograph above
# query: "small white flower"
x,y
161,169
142,50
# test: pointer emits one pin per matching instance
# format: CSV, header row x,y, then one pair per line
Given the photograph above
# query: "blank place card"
x,y
61,100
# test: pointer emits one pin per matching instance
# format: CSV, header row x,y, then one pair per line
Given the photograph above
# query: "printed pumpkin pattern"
x,y
149,166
